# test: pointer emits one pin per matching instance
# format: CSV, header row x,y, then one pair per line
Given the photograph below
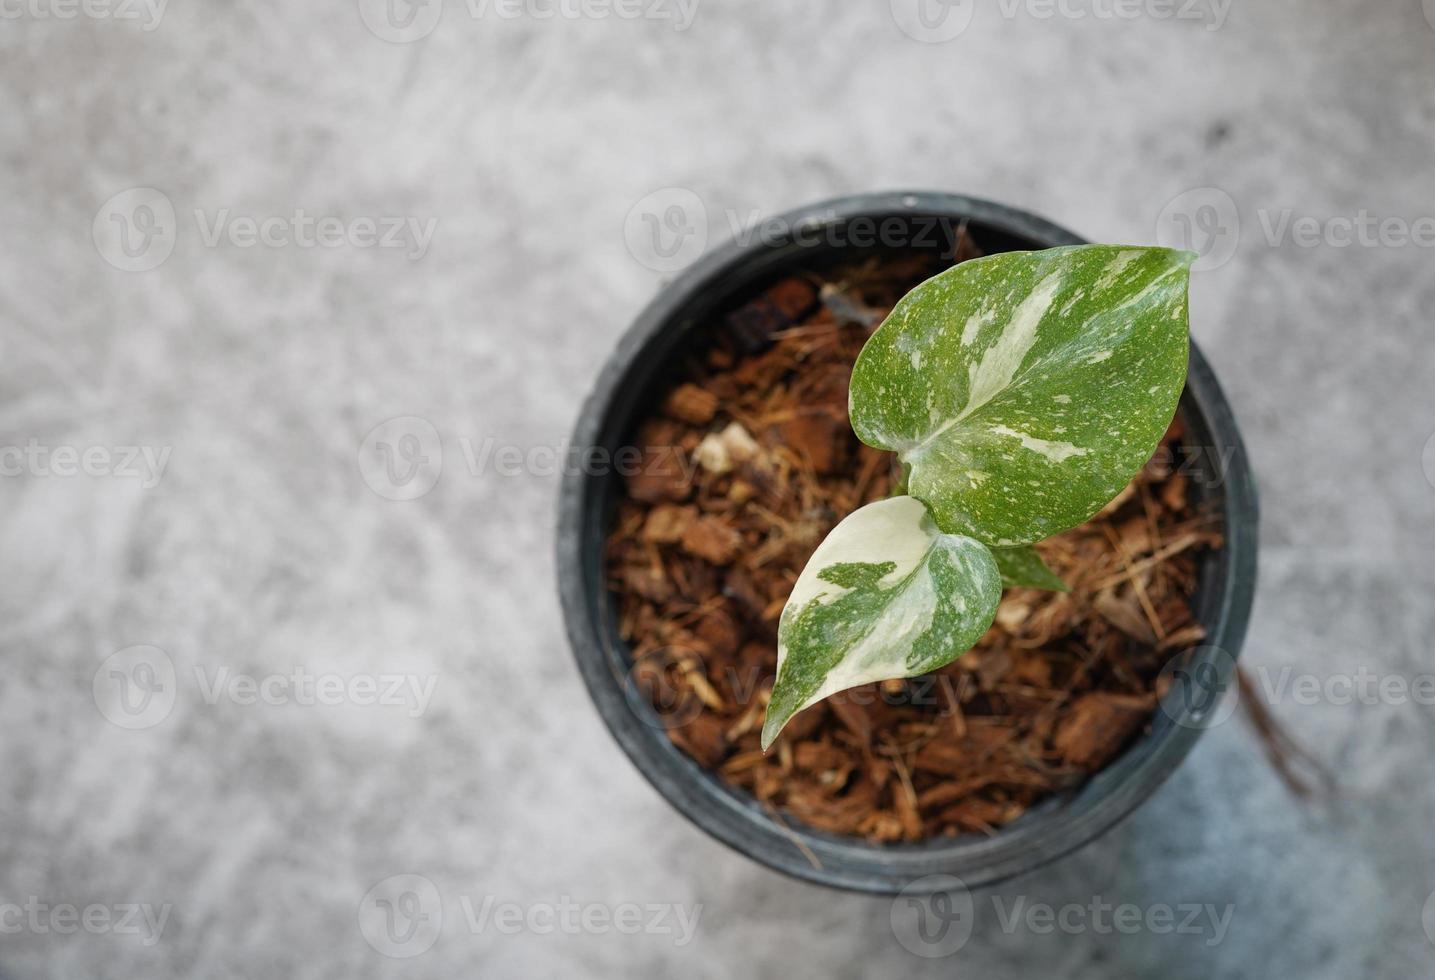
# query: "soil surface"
x,y
748,462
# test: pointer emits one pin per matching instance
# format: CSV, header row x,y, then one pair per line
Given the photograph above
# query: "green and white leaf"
x,y
1026,389
1023,567
886,595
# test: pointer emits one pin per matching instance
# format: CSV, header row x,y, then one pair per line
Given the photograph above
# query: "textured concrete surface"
x,y
252,540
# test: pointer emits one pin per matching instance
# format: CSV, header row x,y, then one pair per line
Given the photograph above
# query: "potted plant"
x,y
1018,393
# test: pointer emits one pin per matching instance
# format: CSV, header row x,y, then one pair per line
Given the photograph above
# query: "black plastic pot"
x,y
822,234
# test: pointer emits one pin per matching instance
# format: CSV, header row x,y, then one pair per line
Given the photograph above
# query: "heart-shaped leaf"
x,y
1025,389
886,595
1022,567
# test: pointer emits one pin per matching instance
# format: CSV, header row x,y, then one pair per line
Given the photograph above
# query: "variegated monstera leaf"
x,y
1023,391
1026,389
885,595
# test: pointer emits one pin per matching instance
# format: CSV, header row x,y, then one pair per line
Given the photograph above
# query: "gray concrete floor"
x,y
254,546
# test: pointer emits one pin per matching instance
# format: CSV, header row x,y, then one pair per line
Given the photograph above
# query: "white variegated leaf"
x,y
886,595
1025,389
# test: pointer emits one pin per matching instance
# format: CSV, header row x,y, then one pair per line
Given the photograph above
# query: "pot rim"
x,y
1048,831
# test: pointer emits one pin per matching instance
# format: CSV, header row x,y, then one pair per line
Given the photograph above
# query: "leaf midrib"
x,y
1028,368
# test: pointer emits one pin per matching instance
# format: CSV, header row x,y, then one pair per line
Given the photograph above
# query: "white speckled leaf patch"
x,y
886,595
1025,389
